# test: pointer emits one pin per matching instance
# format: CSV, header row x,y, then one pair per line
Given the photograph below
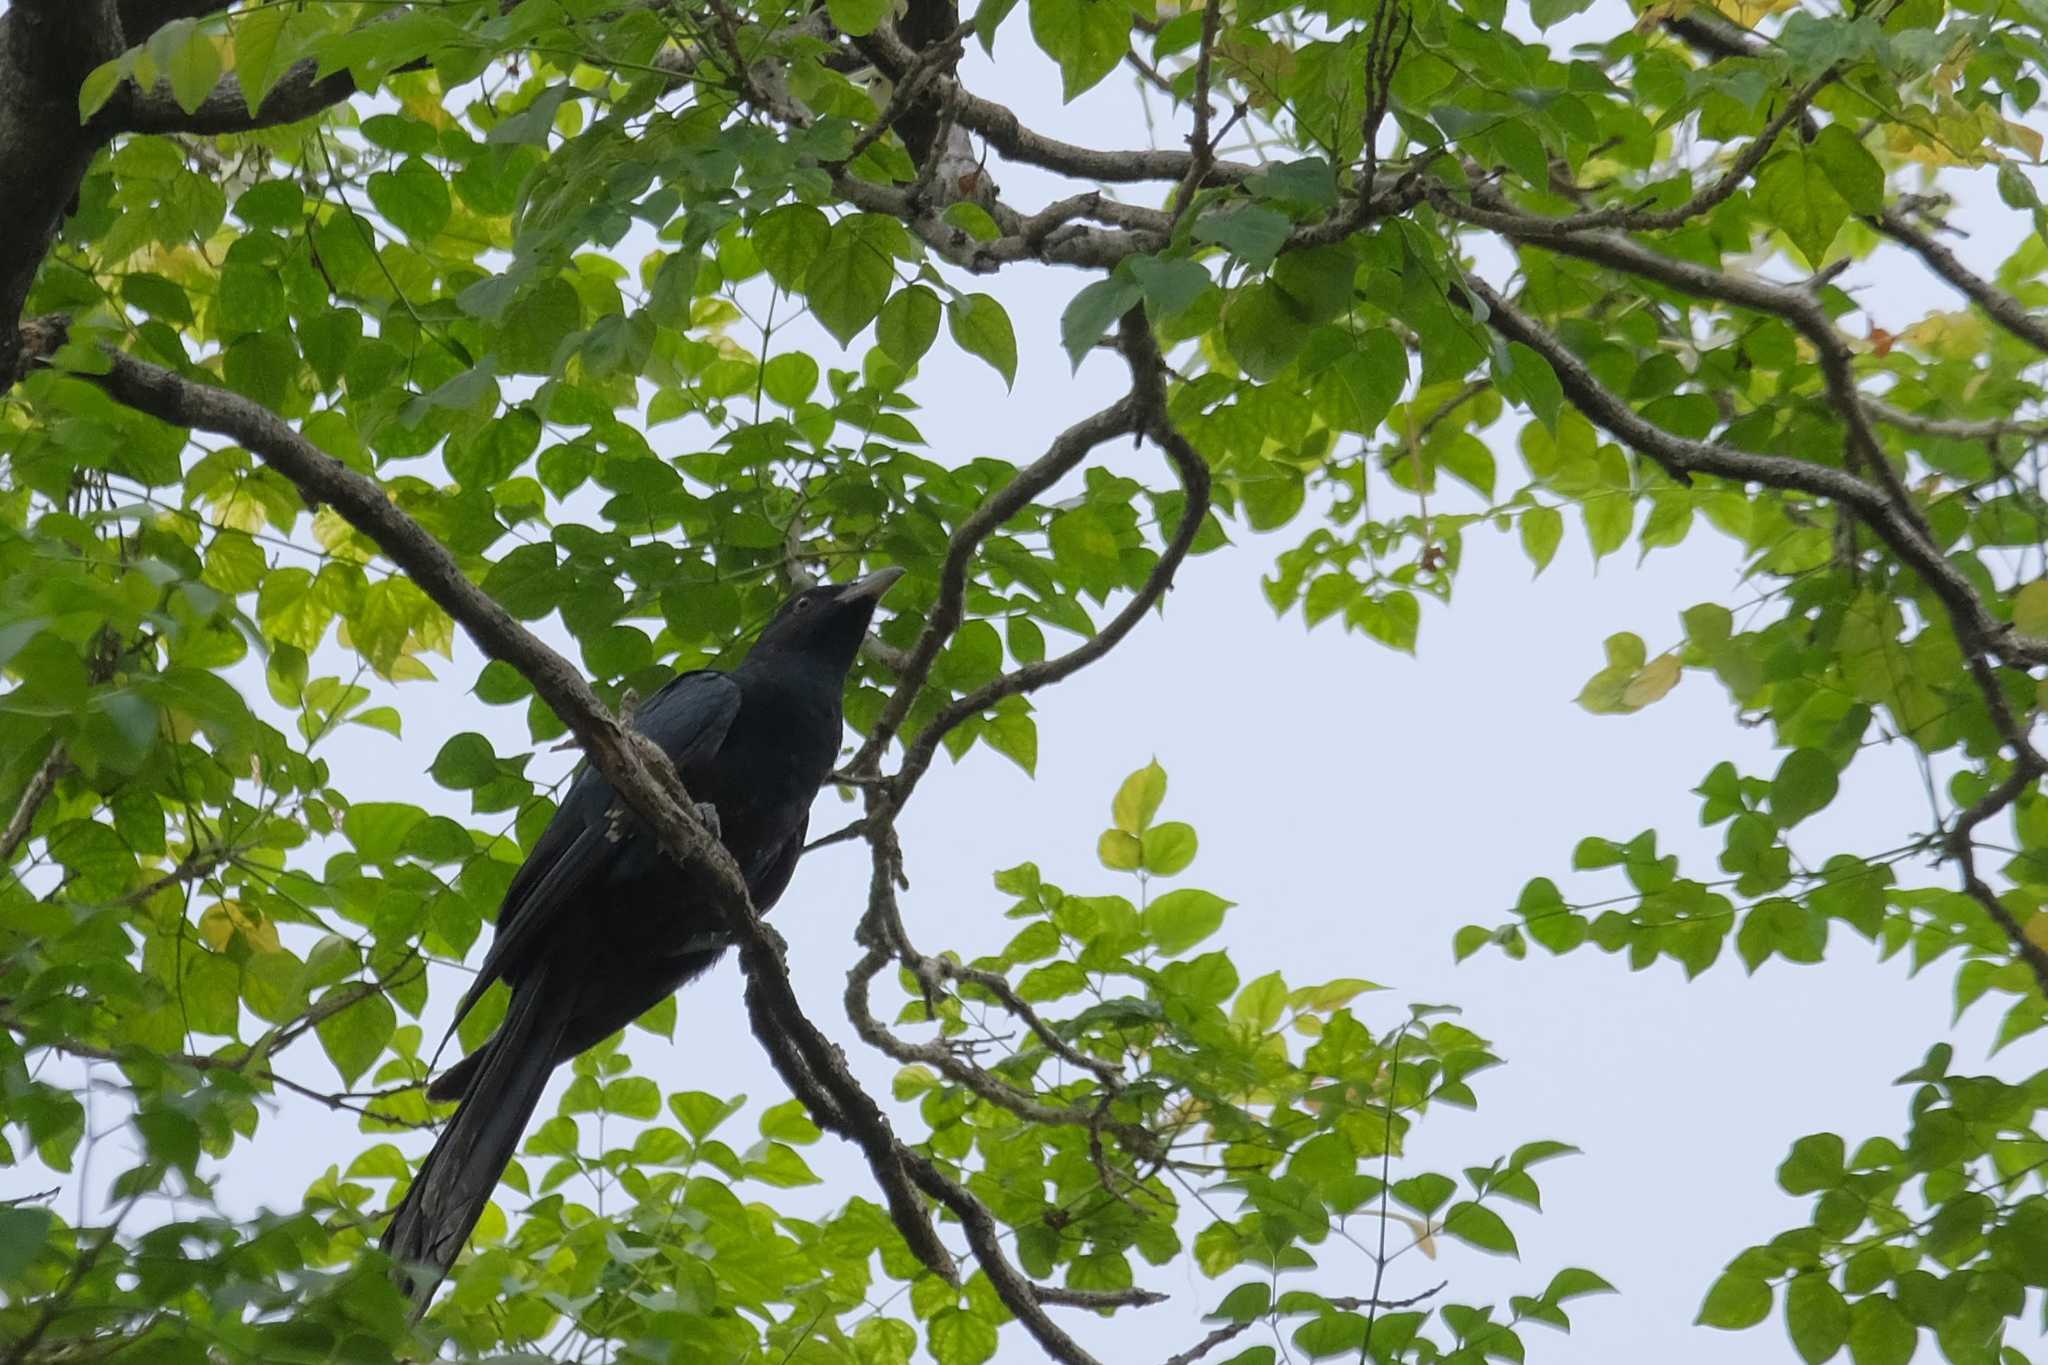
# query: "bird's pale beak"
x,y
871,588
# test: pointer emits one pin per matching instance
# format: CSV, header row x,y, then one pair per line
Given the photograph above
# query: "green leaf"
x,y
908,324
701,1114
1545,13
1093,312
1264,328
1425,1193
1536,384
789,1121
2015,189
983,329
465,762
1816,1164
988,17
958,1336
1168,848
1169,286
1178,920
1572,1282
194,69
251,298
535,326
1248,1302
534,124
2030,608
1251,232
790,378
1309,183
1817,1317
262,53
1363,384
1879,1333
99,86
1738,1299
849,280
1260,1004
1119,852
23,1231
778,1165
1318,281
1542,529
1088,38
788,240
1137,800
636,1097
356,1036
1479,1226
1797,195
1806,782
1849,167
857,18
414,198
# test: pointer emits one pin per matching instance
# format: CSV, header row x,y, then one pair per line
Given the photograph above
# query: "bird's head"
x,y
827,622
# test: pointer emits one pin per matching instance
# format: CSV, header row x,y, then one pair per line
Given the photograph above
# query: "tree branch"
x,y
1980,635
1888,508
638,770
2002,308
1066,452
1005,132
1148,370
40,784
47,48
301,93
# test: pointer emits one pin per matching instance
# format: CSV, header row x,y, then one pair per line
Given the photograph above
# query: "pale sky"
x,y
1359,806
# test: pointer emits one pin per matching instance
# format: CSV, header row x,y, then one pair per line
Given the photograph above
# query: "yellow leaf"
x,y
1120,852
1656,678
2037,929
2019,135
223,920
2030,608
339,537
1425,1235
1137,800
1948,336
1749,12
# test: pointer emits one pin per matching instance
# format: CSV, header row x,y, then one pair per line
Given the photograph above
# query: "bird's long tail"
x,y
455,1182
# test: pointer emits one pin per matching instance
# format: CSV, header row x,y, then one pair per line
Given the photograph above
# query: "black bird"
x,y
592,934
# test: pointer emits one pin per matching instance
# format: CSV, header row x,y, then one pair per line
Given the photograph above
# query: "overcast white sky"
x,y
1360,806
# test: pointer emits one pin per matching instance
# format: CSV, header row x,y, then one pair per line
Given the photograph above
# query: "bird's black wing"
x,y
581,846
772,874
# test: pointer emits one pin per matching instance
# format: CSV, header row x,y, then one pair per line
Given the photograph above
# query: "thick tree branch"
x,y
638,770
301,93
140,18
1005,132
47,48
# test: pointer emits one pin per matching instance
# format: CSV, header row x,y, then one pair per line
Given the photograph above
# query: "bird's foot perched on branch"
x,y
708,814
